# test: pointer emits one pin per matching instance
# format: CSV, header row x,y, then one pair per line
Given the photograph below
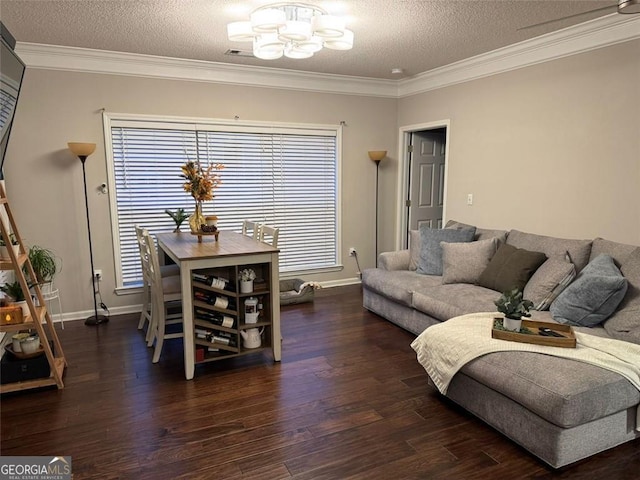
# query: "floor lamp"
x,y
377,156
82,151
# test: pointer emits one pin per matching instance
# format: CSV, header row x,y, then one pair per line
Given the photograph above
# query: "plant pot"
x,y
4,251
246,286
25,308
512,324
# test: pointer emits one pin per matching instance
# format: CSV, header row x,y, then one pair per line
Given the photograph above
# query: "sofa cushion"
x,y
553,276
578,250
397,285
624,324
464,262
564,392
430,250
481,233
414,249
619,251
510,268
447,301
593,296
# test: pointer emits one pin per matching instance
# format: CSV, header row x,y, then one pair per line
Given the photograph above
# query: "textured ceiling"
x,y
415,35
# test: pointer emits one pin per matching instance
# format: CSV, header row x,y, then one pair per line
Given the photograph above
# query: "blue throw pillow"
x,y
593,296
430,262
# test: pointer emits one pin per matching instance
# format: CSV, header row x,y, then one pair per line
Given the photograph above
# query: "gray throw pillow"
x,y
593,296
510,268
549,281
430,250
464,262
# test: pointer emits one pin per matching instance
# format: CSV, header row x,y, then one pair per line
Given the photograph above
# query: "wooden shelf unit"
x,y
235,310
38,318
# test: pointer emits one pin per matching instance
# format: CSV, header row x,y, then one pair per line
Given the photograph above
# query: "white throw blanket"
x,y
445,348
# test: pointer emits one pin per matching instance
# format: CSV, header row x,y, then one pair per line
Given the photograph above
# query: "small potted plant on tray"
x,y
14,291
247,276
514,307
4,248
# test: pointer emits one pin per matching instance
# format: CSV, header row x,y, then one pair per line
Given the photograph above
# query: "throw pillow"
x,y
464,262
549,281
430,250
624,324
510,268
593,296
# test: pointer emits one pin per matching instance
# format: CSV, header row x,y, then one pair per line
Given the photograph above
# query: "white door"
x,y
426,178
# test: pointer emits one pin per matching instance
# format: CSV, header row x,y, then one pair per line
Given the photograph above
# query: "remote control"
x,y
547,332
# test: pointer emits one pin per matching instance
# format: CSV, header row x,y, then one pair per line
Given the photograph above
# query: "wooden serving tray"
x,y
569,340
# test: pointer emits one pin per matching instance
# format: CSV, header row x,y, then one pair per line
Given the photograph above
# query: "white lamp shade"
x,y
291,51
240,32
345,42
268,47
328,26
268,20
295,31
313,45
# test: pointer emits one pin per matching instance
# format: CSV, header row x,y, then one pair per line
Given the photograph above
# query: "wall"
x,y
552,148
44,180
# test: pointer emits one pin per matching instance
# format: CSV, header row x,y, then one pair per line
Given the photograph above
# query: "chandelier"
x,y
295,30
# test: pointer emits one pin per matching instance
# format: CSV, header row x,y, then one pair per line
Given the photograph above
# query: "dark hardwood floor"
x,y
348,401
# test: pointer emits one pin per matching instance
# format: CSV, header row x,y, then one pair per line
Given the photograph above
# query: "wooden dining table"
x,y
231,249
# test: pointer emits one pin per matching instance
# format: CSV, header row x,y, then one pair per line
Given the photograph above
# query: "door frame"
x,y
403,174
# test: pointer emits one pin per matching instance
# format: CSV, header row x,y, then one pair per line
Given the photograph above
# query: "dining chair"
x,y
165,292
165,271
269,234
251,229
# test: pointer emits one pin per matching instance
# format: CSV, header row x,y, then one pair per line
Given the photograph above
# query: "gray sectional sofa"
x,y
560,410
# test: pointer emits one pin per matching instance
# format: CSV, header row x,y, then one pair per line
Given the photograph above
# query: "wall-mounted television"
x,y
11,73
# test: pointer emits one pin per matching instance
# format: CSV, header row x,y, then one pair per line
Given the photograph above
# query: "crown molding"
x,y
75,59
598,33
602,32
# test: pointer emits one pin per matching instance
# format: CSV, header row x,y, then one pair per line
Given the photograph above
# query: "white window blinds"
x,y
283,177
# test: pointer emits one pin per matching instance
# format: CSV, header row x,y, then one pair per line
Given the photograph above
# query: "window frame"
x,y
111,119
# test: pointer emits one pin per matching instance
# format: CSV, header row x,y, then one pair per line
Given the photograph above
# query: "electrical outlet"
x,y
470,199
97,274
352,252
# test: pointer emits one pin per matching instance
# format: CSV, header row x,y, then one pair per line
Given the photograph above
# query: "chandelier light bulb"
x,y
268,20
295,30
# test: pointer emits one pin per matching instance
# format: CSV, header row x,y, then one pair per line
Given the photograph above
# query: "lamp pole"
x,y
82,151
377,156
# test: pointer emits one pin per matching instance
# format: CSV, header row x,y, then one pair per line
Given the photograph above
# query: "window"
x,y
283,176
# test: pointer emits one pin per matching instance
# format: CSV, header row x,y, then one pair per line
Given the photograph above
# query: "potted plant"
x,y
44,263
247,276
178,217
200,182
14,290
514,307
4,252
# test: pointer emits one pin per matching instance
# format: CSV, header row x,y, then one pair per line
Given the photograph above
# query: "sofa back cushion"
x,y
481,233
414,249
578,250
593,296
510,268
624,324
619,251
